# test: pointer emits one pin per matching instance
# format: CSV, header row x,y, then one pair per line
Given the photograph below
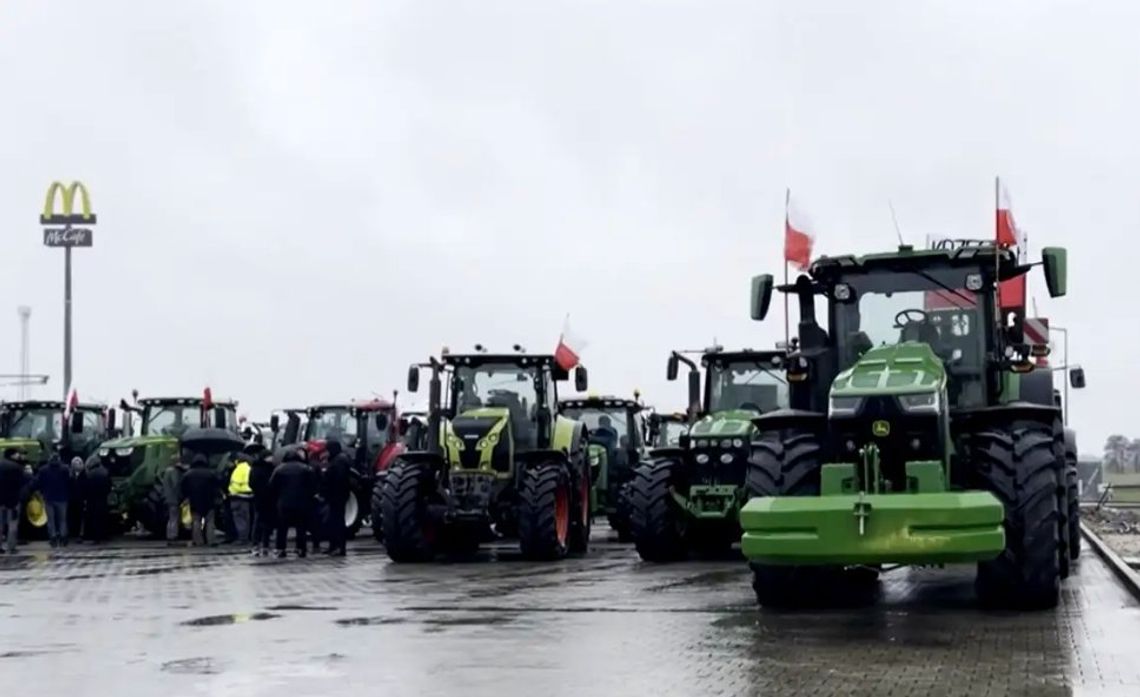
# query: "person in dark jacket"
x,y
53,481
96,492
336,487
76,479
202,487
264,504
12,483
172,496
294,485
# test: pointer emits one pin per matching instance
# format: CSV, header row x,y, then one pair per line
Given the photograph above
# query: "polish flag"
x,y
798,231
1006,228
72,403
570,347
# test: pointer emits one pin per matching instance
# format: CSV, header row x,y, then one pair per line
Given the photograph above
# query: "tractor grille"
x,y
714,470
912,437
469,430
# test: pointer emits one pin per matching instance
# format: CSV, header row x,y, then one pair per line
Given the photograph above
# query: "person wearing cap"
x,y
54,483
12,483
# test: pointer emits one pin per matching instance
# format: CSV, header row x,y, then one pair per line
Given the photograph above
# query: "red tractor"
x,y
369,433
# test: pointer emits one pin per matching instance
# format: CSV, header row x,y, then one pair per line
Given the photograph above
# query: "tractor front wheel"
x,y
409,532
1074,502
545,512
655,518
1018,465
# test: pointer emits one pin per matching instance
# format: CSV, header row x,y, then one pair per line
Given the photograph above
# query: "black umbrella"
x,y
211,441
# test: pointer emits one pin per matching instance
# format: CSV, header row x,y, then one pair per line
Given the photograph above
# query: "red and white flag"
x,y
798,234
1006,228
72,403
570,347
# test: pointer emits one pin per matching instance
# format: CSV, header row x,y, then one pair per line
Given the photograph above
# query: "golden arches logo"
x,y
68,215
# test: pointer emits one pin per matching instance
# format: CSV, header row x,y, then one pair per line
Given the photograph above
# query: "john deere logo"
x,y
881,429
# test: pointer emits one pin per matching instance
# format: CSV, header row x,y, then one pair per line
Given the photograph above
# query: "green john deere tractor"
x,y
137,458
909,440
36,428
616,432
500,461
687,498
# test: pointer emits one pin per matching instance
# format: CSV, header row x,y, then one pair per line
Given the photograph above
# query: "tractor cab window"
x,y
932,307
748,385
332,424
669,434
92,423
171,419
607,427
375,436
40,424
505,385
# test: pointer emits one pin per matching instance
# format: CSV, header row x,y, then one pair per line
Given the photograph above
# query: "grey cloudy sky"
x,y
298,199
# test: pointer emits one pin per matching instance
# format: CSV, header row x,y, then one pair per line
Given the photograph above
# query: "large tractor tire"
x,y
1018,465
355,511
1064,563
410,534
151,512
785,463
582,518
1074,503
377,510
546,512
656,520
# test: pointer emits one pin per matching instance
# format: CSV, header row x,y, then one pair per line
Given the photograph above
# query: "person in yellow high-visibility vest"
x,y
241,497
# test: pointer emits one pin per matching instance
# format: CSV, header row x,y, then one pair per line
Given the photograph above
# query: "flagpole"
x,y
787,326
997,254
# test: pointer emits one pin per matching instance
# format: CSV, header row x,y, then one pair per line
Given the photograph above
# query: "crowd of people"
x,y
258,500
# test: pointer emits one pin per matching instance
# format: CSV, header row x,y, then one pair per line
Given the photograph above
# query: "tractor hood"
x,y
468,429
133,442
736,422
31,447
906,368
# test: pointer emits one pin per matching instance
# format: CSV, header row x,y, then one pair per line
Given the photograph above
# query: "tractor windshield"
x,y
669,434
170,419
609,426
931,306
331,424
41,424
745,384
496,385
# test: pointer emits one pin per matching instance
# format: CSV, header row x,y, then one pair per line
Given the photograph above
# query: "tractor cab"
x,y
36,427
291,432
616,433
665,429
366,430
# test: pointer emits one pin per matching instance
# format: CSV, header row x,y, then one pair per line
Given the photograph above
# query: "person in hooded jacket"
x,y
264,503
336,487
75,482
13,480
201,486
172,495
96,492
294,485
53,481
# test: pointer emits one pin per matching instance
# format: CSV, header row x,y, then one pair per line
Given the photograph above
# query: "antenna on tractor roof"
x,y
895,219
519,349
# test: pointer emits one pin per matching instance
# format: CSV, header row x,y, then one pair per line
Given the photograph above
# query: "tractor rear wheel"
x,y
152,512
785,463
656,520
546,512
1018,465
1074,503
377,510
409,532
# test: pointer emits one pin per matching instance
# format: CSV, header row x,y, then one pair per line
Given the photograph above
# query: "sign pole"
x,y
66,321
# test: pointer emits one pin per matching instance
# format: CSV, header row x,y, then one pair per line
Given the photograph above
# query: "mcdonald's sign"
x,y
68,216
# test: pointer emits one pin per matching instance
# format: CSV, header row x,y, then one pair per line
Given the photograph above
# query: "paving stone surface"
x,y
138,618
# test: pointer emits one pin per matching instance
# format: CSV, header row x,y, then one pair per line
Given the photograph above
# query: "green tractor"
x,y
910,439
137,458
664,430
616,433
36,428
687,498
500,461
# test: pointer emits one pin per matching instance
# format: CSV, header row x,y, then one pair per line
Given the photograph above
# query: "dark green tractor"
x,y
664,429
912,438
687,498
616,433
500,462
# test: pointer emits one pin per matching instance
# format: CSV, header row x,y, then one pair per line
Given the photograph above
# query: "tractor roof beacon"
x,y
500,460
687,497
908,440
616,433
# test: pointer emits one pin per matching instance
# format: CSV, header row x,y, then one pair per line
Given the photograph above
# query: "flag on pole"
x,y
207,399
570,347
72,403
1006,232
798,234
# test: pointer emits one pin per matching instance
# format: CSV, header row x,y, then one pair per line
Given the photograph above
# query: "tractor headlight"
x,y
974,281
726,458
702,459
842,292
844,406
493,439
104,452
726,443
124,452
738,442
921,403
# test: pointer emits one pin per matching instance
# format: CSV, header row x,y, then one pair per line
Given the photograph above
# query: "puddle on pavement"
x,y
369,621
319,608
193,666
218,620
469,621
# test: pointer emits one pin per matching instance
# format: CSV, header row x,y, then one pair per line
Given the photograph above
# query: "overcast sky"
x,y
296,200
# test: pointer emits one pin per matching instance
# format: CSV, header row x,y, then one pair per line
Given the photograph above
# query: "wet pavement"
x,y
137,618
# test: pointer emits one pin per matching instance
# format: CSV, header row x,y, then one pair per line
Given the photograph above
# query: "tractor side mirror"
x,y
1077,378
219,417
761,295
413,378
581,379
671,368
274,423
123,405
76,424
694,388
382,422
1055,260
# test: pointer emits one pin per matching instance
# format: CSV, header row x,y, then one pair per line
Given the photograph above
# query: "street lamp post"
x,y
1065,333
